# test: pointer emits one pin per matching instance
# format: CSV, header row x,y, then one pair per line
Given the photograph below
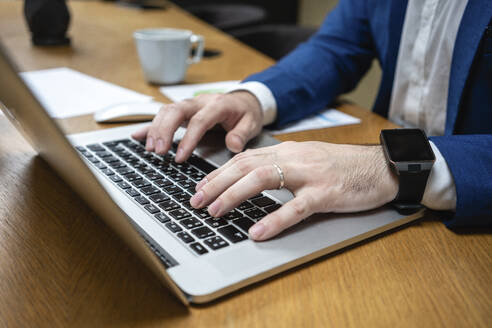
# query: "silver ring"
x,y
280,175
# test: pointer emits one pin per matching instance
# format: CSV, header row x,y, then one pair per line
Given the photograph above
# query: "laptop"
x,y
145,199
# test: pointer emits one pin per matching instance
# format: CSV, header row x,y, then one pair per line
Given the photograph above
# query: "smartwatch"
x,y
409,154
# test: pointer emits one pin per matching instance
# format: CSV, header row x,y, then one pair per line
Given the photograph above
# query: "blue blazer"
x,y
357,31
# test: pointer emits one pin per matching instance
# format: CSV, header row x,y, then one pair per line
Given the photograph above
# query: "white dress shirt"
x,y
420,87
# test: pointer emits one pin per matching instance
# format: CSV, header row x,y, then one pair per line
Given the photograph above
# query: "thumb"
x,y
245,129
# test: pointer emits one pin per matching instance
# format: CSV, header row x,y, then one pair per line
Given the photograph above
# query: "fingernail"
x,y
201,184
257,230
159,148
179,155
239,143
197,199
149,145
214,208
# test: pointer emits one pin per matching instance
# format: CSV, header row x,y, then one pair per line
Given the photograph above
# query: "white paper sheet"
x,y
65,92
182,92
324,119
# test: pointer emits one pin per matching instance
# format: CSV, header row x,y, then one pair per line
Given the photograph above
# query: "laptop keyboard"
x,y
163,188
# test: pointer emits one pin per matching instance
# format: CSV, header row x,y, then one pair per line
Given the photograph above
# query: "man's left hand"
x,y
323,178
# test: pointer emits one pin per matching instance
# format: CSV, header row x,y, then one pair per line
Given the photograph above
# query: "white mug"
x,y
165,53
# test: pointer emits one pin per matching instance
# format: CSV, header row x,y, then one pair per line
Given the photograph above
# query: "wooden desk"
x,y
61,266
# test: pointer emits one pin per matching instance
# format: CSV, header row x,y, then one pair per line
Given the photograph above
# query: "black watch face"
x,y
407,145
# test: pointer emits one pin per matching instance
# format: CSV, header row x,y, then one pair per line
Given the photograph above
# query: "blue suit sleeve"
x,y
469,158
330,63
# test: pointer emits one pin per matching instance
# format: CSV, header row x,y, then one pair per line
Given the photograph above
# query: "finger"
x,y
244,130
166,123
141,134
150,141
237,158
221,182
261,178
289,214
198,125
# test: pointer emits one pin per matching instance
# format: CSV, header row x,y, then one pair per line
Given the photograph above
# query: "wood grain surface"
x,y
60,266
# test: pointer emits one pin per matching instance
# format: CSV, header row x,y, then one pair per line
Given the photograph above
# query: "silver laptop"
x,y
145,199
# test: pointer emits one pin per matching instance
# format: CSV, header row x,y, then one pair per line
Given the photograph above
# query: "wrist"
x,y
249,102
388,179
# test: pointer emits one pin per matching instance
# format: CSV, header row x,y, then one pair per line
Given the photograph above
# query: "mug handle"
x,y
200,41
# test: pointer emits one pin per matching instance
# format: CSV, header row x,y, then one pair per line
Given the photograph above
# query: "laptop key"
x,y
117,165
163,183
154,176
131,160
103,153
191,223
198,248
145,169
125,170
168,170
93,160
173,227
95,147
163,218
179,214
124,154
150,190
182,197
186,184
177,177
132,192
142,200
141,183
124,185
216,242
168,205
263,201
181,166
189,171
202,213
201,164
184,236
173,189
187,205
115,178
107,172
244,223
202,232
197,176
256,196
133,177
255,213
159,197
244,206
215,223
100,166
232,215
272,208
110,159
110,144
232,234
151,208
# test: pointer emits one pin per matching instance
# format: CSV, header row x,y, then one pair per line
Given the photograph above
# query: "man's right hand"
x,y
238,112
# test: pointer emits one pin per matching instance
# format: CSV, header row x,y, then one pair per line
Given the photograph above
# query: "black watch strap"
x,y
411,190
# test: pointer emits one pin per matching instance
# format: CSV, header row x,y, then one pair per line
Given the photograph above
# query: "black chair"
x,y
228,16
274,40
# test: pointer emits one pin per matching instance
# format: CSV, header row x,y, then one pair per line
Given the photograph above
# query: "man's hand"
x,y
323,177
238,112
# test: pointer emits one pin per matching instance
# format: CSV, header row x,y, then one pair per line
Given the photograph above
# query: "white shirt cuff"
x,y
265,98
440,192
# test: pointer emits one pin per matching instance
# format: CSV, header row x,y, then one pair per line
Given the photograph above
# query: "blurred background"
x,y
273,27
